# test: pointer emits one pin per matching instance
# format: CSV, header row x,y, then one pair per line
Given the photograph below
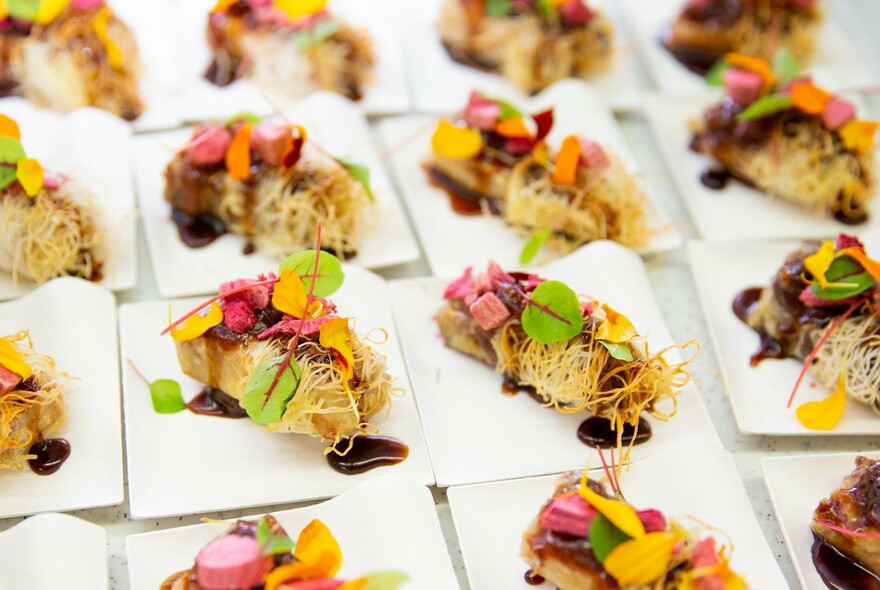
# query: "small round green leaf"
x,y
620,351
265,406
715,75
766,106
841,267
23,9
853,285
361,174
244,116
329,276
7,176
553,313
498,8
535,243
166,397
386,581
785,65
11,150
604,537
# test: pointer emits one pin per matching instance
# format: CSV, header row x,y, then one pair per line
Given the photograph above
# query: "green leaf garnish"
x,y
553,313
604,537
620,351
271,544
498,8
11,150
530,250
841,267
329,275
785,66
166,396
320,31
263,532
7,176
247,117
385,581
508,111
23,9
267,410
848,287
545,7
765,106
360,173
715,77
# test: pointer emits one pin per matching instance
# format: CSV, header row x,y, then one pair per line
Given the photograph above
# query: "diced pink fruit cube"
x,y
209,145
704,553
569,514
593,157
743,86
231,562
575,13
8,380
837,112
489,311
481,112
270,142
653,520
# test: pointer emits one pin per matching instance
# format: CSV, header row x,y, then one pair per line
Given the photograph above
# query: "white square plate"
x,y
490,532
759,394
453,241
796,486
69,144
836,64
201,100
475,433
332,122
384,524
441,85
74,322
736,212
187,463
77,549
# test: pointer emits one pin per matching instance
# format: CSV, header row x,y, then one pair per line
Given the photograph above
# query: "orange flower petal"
x,y
514,127
458,143
290,294
12,360
29,173
753,64
238,156
641,561
335,335
825,414
809,98
9,128
317,546
616,327
858,136
196,325
565,171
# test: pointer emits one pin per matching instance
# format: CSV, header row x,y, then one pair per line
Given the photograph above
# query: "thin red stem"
x,y
202,306
847,532
615,471
137,372
607,471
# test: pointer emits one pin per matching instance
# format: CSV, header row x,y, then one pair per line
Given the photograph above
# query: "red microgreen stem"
x,y
543,308
616,472
847,532
202,306
137,372
821,342
608,473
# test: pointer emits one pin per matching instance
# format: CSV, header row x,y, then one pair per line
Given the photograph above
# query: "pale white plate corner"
x,y
387,93
333,122
74,322
837,63
456,393
490,532
758,395
736,212
218,463
97,162
77,549
453,241
796,486
441,85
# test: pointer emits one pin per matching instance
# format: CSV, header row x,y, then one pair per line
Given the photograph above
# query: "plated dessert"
x,y
705,30
65,54
846,531
48,223
570,353
489,160
268,183
586,538
820,309
32,407
532,43
780,133
292,47
260,554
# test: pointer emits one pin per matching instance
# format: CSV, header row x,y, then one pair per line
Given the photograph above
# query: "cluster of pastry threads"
x,y
569,13
237,560
15,166
764,90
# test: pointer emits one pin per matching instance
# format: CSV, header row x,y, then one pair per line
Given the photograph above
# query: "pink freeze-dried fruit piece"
x,y
209,145
743,86
569,514
489,311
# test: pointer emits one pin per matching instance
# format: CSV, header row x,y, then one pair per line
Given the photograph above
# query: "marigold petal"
x,y
317,546
753,64
809,98
616,327
513,127
49,11
238,156
29,173
335,335
196,325
565,171
641,561
290,294
825,414
297,9
9,128
223,5
458,143
621,514
101,25
858,135
13,361
818,263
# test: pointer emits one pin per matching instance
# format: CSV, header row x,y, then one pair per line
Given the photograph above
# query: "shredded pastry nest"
x,y
854,347
27,416
52,234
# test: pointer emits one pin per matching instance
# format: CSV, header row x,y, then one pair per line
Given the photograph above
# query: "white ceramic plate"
x,y
200,463
332,122
99,163
836,64
759,395
701,481
387,523
453,241
441,85
201,100
74,322
736,212
475,433
796,486
77,550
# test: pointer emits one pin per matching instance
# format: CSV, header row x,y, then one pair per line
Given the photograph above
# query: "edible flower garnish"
x,y
14,163
196,325
297,9
565,171
101,24
12,361
238,157
826,413
456,141
43,12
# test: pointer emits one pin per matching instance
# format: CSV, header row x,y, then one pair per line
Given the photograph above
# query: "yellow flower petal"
x,y
858,136
238,156
196,325
818,264
826,413
335,335
513,127
458,143
101,25
4,11
12,360
565,171
290,294
616,327
621,514
317,547
356,584
753,64
9,128
29,173
871,266
641,561
223,5
297,9
49,11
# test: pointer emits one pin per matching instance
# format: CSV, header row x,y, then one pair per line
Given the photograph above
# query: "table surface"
x,y
674,288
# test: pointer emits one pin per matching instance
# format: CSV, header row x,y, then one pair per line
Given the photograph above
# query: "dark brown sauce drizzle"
x,y
368,452
838,570
249,249
596,432
213,402
532,578
715,178
695,59
768,348
50,455
858,220
199,231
